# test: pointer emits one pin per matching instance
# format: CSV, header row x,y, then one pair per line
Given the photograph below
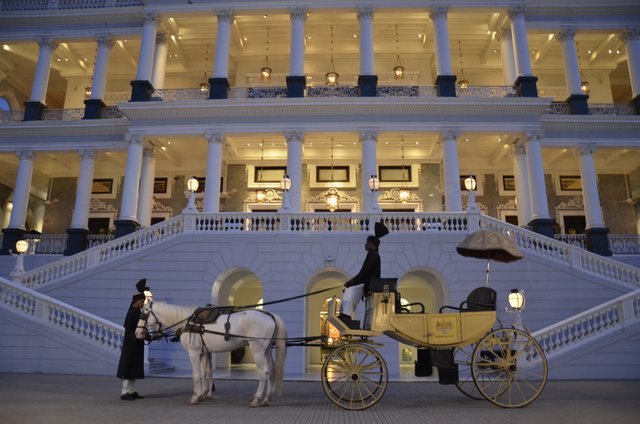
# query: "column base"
x,y
578,104
125,226
446,85
544,226
368,85
525,86
33,111
93,108
597,241
636,101
218,88
296,85
141,91
11,236
76,241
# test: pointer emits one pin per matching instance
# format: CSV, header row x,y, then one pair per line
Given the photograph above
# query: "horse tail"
x,y
281,352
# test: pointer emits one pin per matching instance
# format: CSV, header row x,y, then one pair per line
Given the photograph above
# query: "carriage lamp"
x,y
18,271
516,300
285,185
471,184
192,187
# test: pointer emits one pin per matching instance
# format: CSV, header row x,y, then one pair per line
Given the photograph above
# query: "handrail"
x,y
92,329
589,325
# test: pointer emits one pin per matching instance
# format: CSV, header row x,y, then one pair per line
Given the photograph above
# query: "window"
x,y
394,174
327,174
269,174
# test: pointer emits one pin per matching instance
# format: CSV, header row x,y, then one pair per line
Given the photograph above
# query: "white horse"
x,y
260,330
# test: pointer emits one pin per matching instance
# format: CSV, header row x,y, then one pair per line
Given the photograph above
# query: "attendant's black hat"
x,y
380,231
141,285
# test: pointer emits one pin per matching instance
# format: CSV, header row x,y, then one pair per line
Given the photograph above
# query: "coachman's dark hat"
x,y
141,285
380,230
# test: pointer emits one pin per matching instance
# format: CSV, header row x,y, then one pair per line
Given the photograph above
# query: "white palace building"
x,y
302,123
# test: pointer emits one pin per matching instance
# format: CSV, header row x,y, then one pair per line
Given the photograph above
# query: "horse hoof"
x,y
266,403
254,404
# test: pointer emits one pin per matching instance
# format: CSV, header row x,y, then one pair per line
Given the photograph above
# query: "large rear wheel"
x,y
354,376
509,368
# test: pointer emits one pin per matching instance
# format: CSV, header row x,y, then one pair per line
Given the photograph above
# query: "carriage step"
x,y
158,367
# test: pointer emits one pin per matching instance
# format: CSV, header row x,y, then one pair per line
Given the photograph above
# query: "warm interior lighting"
x,y
204,85
265,71
470,183
374,183
332,199
332,77
398,70
193,184
516,299
22,246
87,92
285,183
404,195
463,83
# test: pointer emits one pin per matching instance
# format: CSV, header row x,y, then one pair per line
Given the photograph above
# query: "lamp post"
x,y
516,305
470,184
374,185
285,185
192,187
18,271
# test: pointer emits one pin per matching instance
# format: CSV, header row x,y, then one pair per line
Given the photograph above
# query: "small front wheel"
x,y
354,376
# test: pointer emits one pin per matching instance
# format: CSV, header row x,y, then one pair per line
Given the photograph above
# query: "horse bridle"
x,y
144,316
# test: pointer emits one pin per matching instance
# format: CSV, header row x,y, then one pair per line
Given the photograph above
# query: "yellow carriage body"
x,y
417,329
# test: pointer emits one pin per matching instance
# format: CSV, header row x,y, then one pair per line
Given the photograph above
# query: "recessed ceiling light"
x,y
163,148
245,38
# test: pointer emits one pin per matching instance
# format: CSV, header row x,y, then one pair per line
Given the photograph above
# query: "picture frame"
x,y
160,185
508,183
102,186
570,183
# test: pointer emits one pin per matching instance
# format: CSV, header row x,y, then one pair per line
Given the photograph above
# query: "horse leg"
x,y
263,375
194,357
207,375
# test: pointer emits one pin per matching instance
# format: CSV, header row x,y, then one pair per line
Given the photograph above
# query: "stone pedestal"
x,y
295,86
525,86
597,241
76,241
368,85
33,111
93,108
636,102
125,226
218,88
446,85
11,236
578,104
141,91
543,226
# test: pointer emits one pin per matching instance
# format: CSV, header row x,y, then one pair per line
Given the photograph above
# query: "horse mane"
x,y
172,314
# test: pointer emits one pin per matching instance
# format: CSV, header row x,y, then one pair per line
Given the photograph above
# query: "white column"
x,y
295,140
521,176
592,208
160,60
506,54
147,47
105,44
631,38
128,209
223,40
537,186
147,178
443,56
80,218
365,17
298,16
570,59
452,195
43,68
368,141
215,142
22,189
520,44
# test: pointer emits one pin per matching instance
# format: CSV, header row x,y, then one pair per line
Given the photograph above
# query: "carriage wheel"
x,y
462,357
509,368
354,376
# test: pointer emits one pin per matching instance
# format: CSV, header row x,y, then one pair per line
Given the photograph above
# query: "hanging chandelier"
x,y
463,83
261,195
204,85
265,71
332,195
331,77
398,70
87,90
584,84
403,193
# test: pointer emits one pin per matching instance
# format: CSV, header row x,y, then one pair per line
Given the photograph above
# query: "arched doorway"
x,y
237,287
426,287
316,311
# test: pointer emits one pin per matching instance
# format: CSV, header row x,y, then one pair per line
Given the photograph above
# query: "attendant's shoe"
x,y
127,396
351,323
135,395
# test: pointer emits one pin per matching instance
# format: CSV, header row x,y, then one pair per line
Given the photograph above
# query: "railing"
x,y
90,328
181,94
13,116
46,244
589,325
62,114
111,112
558,108
97,240
486,91
113,97
266,92
402,91
579,240
31,5
612,109
333,91
622,244
566,254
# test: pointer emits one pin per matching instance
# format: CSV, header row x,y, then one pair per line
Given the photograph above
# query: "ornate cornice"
x,y
510,205
160,207
105,40
575,203
47,43
271,196
134,138
566,34
225,15
393,196
365,12
438,12
342,197
97,205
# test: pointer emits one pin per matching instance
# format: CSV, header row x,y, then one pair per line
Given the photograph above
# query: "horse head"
x,y
148,323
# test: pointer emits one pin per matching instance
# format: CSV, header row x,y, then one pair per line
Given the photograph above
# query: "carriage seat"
x,y
480,299
378,285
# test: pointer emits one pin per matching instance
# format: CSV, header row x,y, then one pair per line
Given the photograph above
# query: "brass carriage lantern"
x,y
516,300
192,187
285,186
374,183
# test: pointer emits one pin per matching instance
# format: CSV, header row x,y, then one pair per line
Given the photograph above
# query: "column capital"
x,y
87,154
587,149
504,34
368,135
26,154
105,40
449,134
365,12
162,38
534,135
149,151
517,12
438,12
151,18
216,137
519,149
294,135
630,34
47,43
566,33
297,13
134,138
225,15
